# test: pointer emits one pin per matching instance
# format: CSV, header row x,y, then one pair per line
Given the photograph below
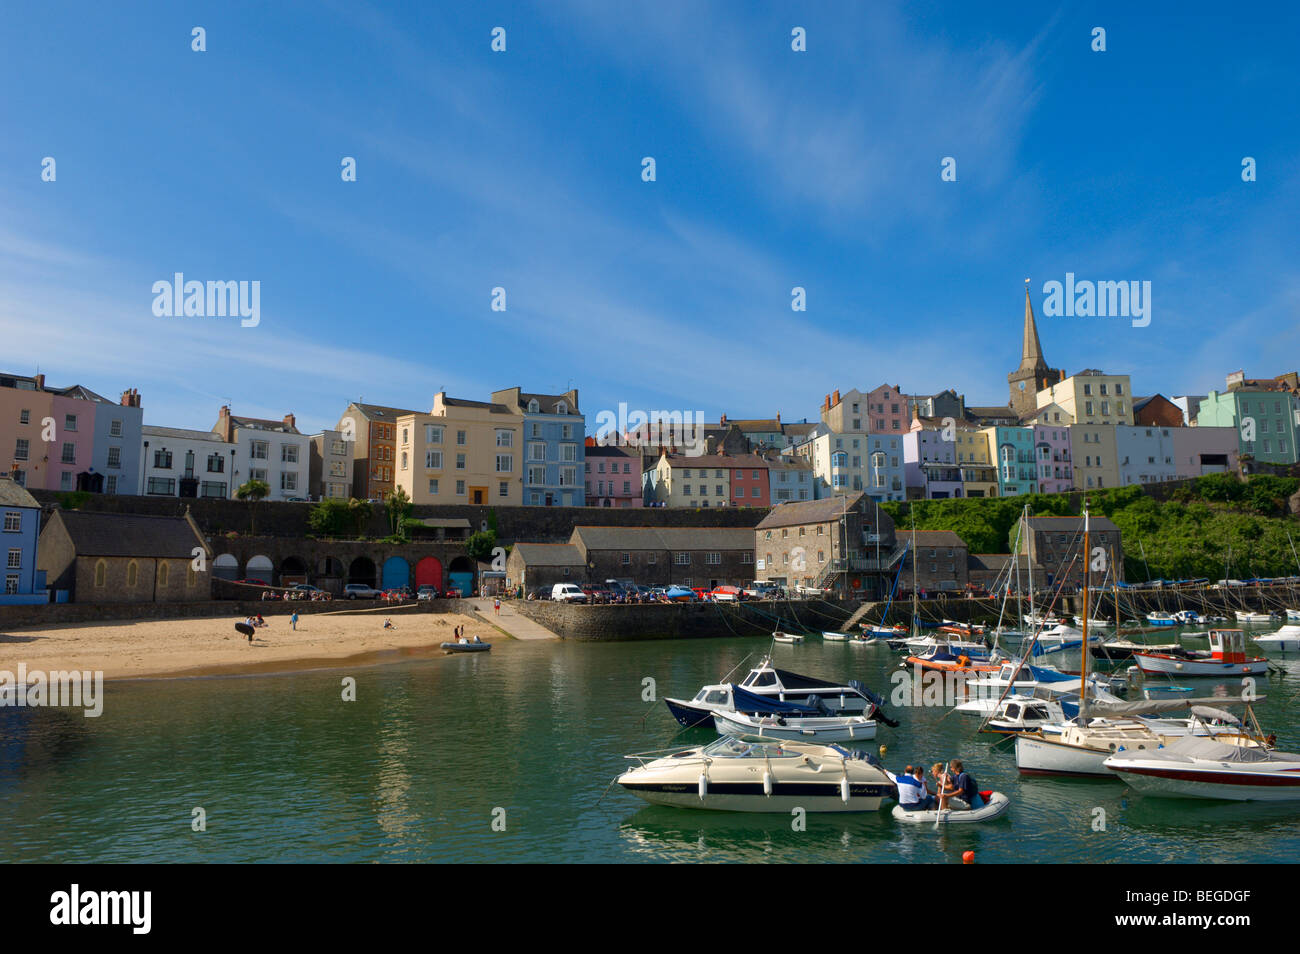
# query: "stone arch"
x,y
362,570
261,568
460,572
293,570
428,572
397,573
225,567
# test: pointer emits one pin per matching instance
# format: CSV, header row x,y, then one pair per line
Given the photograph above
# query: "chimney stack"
x,y
723,420
40,382
827,405
224,427
837,396
290,422
778,417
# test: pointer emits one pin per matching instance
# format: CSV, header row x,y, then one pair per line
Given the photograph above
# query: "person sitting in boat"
x,y
964,783
912,794
943,781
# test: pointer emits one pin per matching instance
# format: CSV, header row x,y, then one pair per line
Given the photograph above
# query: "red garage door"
x,y
428,571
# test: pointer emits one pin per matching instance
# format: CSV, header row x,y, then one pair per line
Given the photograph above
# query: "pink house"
x,y
887,411
24,405
1054,469
73,448
749,482
612,476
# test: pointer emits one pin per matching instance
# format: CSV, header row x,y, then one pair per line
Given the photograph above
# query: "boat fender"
x,y
844,789
843,704
767,783
704,785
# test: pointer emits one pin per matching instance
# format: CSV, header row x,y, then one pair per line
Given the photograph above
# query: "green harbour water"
x,y
416,769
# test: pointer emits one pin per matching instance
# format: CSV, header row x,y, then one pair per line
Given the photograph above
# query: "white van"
x,y
568,593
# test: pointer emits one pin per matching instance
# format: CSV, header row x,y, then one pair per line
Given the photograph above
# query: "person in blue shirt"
x,y
965,784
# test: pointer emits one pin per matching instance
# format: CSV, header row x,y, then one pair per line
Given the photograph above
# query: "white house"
x,y
271,451
176,462
331,465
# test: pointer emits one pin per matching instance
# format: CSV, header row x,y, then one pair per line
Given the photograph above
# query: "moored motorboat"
x,y
834,636
782,637
1247,616
1227,657
1116,649
779,685
734,775
820,729
1161,619
1284,640
1208,768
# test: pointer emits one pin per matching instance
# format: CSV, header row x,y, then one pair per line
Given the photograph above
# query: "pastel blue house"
x,y
1013,448
555,434
24,584
118,435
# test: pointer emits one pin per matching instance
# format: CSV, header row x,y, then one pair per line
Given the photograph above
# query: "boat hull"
x,y
1175,782
1035,756
1178,666
798,730
996,807
750,797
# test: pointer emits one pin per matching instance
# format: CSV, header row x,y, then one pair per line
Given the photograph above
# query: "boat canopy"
x,y
1199,747
1153,706
745,701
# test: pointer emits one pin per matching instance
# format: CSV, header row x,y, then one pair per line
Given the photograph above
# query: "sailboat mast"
x,y
1024,522
916,609
1087,574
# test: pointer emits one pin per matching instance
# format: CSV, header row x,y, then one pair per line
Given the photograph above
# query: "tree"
x,y
252,491
481,545
361,511
397,507
330,517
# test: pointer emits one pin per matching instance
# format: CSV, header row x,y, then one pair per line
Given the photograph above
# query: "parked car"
x,y
726,594
540,593
568,593
426,591
360,591
762,590
453,592
307,588
253,582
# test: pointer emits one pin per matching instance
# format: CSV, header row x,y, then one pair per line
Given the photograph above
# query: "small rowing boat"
x,y
959,813
781,637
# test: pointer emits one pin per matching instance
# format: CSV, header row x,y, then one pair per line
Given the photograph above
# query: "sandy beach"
x,y
196,647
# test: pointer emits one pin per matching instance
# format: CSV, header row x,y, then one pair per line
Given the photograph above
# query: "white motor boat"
x,y
1244,616
957,813
1284,640
781,637
1161,619
1021,678
834,636
1293,614
1095,623
975,651
820,729
735,775
1031,713
1188,618
1209,768
779,686
1227,657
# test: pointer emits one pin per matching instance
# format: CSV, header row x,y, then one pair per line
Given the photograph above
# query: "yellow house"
x,y
1092,397
461,452
979,476
1096,456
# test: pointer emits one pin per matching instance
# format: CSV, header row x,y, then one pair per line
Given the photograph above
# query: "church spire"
x,y
1031,356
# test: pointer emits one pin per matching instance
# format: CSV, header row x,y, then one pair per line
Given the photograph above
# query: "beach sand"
x,y
210,646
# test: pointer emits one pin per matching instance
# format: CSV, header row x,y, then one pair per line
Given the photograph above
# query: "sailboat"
x,y
1084,743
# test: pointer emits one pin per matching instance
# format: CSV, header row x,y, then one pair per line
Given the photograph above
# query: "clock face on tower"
x,y
1022,385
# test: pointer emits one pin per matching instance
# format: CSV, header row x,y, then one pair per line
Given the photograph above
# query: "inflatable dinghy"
x,y
466,647
959,813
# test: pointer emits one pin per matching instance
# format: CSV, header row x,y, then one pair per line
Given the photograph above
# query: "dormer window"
x,y
561,408
532,407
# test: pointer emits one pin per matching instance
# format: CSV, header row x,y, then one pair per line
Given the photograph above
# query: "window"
x,y
161,485
69,422
13,521
537,475
162,573
289,453
503,488
115,428
132,573
433,433
460,488
216,464
21,449
288,480
257,450
461,439
713,559
568,476
101,573
213,488
568,453
115,458
15,558
405,463
537,451
682,559
433,460
69,453
11,585
433,486
505,463
406,435
259,473
25,416
460,461
505,438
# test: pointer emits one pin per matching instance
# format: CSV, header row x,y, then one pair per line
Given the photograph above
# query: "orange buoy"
x,y
968,857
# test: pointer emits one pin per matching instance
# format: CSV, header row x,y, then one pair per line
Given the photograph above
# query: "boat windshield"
x,y
760,677
729,748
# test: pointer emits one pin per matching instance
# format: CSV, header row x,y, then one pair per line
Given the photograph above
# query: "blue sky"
x,y
522,170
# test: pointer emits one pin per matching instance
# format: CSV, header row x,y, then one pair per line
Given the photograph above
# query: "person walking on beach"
x,y
496,606
293,620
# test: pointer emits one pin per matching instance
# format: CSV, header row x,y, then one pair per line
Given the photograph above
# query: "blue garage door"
x,y
397,572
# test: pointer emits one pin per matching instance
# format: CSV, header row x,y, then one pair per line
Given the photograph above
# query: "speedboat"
x,y
1061,637
1285,640
1031,713
1021,678
1188,618
1244,616
1293,614
821,729
1095,623
1161,619
978,651
1227,657
1209,768
942,659
734,775
777,686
